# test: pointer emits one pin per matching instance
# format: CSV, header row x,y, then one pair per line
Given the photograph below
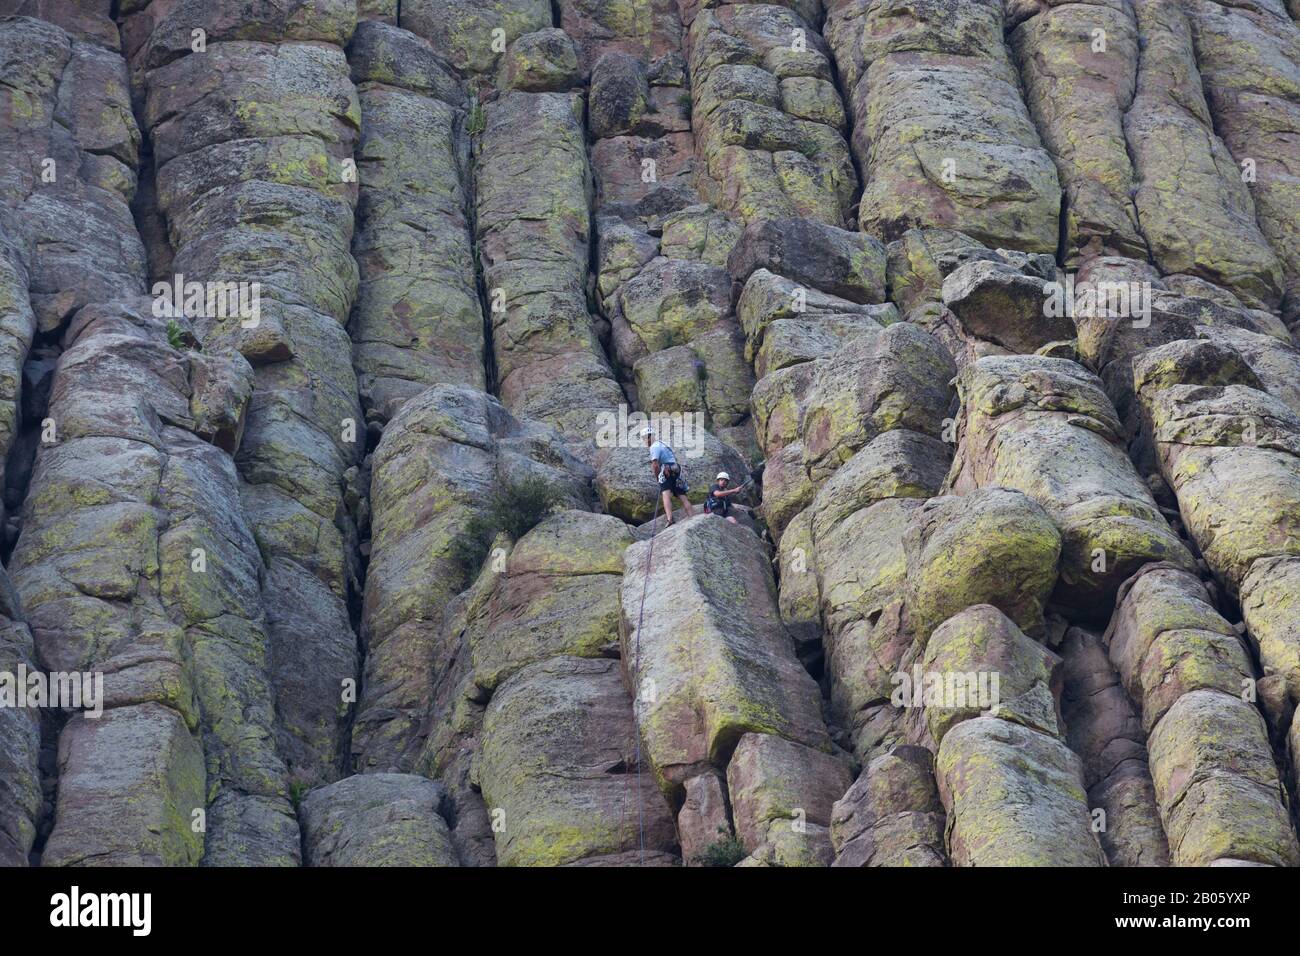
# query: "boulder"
x,y
541,61
981,661
891,816
683,603
771,779
850,265
998,303
562,798
376,819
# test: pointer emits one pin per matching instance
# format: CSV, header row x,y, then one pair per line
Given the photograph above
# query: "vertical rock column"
x,y
528,649
1013,790
660,252
417,320
136,561
1216,784
1231,454
887,397
768,119
20,739
979,571
68,238
663,294
718,690
807,290
534,230
253,141
1078,63
1194,210
1104,727
433,471
939,129
849,415
1249,60
29,134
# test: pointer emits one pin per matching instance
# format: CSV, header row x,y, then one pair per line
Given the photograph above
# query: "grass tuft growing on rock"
x,y
727,850
513,507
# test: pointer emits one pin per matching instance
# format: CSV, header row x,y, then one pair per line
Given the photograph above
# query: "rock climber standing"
x,y
667,471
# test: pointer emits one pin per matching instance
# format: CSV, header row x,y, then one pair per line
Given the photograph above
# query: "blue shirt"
x,y
662,453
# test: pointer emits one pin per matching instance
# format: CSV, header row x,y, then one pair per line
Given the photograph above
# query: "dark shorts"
x,y
672,484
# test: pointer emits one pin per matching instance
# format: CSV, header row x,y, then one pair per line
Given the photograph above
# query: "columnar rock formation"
x,y
939,127
253,142
417,320
431,473
1215,781
718,690
328,327
534,237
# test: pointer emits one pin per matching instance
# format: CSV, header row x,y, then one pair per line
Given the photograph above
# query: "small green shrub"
x,y
175,335
727,850
515,507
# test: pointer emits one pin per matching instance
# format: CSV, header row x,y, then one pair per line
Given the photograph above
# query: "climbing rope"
x,y
636,680
636,672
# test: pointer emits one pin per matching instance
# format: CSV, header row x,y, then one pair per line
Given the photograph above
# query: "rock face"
x,y
566,798
417,320
1104,728
1187,182
742,702
768,120
253,150
891,816
376,819
328,329
533,238
1217,787
1044,426
541,626
939,128
441,456
1012,788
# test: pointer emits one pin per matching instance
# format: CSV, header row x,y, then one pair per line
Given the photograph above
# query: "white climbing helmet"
x,y
647,433
723,474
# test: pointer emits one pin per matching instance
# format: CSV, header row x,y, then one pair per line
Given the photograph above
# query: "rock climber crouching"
x,y
719,500
664,466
